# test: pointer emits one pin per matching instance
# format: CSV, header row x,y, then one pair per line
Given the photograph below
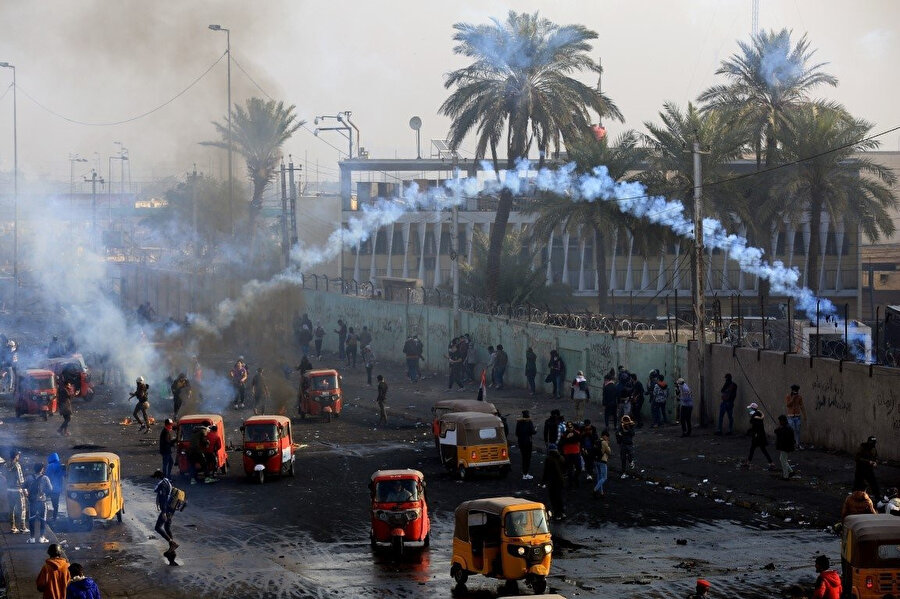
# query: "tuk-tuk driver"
x,y
398,493
518,523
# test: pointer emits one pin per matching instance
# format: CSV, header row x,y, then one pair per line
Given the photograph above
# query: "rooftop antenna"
x,y
415,124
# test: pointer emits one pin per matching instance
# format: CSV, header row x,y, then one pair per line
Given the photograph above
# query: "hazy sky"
x,y
107,61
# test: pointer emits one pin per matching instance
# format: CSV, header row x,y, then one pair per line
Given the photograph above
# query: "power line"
x,y
8,87
128,120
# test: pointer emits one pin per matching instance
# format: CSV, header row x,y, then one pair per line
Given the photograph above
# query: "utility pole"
x,y
454,240
699,305
194,210
284,217
94,181
292,198
7,65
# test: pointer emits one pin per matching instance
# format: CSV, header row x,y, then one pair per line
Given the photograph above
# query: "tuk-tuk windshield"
x,y
525,523
88,472
889,552
186,429
396,491
324,382
37,383
261,432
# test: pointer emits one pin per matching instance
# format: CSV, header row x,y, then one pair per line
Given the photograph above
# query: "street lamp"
x,y
6,65
230,142
344,129
73,158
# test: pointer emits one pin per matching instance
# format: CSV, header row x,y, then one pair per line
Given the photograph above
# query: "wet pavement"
x,y
690,512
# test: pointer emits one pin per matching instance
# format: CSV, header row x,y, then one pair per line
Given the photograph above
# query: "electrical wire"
x,y
8,87
128,120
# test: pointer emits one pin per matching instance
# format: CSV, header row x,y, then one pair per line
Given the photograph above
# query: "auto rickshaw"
x,y
268,446
399,511
470,441
321,394
507,538
36,393
73,369
870,556
445,406
94,487
214,459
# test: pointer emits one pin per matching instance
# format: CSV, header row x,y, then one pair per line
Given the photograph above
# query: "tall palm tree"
x,y
828,175
519,282
599,218
520,83
257,133
670,168
767,80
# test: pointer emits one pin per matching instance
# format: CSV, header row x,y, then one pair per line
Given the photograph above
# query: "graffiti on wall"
x,y
600,359
828,394
887,406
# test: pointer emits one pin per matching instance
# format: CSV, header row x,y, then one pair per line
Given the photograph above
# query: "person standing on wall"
x,y
796,413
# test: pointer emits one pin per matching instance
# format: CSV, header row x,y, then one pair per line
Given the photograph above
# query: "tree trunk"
x,y
495,248
602,280
253,216
815,226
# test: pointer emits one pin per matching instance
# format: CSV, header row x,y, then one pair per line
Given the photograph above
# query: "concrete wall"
x,y
845,403
390,322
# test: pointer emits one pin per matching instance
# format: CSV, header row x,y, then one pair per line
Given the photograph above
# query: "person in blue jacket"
x,y
56,472
81,586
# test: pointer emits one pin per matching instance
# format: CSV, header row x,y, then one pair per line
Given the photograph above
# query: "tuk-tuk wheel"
x,y
462,473
88,523
302,415
539,585
511,587
261,477
18,413
504,471
459,575
426,542
327,416
397,546
44,416
372,542
291,469
119,515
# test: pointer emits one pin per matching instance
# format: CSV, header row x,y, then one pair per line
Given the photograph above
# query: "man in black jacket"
x,y
524,432
551,428
554,479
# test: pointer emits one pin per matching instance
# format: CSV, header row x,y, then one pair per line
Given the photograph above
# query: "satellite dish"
x,y
415,123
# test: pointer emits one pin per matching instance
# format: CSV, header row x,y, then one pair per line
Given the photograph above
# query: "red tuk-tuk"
x,y
194,455
36,393
399,510
72,369
320,394
268,446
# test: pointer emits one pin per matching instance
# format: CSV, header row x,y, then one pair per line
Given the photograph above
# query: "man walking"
x,y
784,443
167,446
239,382
866,460
758,435
260,392
796,413
554,480
625,437
168,501
726,406
342,338
352,347
381,398
530,369
54,575
141,395
39,489
412,359
500,364
15,492
687,406
525,430
318,336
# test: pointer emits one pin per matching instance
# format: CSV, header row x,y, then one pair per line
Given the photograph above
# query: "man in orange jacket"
x,y
54,576
828,584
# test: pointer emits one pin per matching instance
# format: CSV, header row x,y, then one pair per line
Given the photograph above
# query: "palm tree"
x,y
767,80
599,218
519,282
826,174
258,132
670,169
520,83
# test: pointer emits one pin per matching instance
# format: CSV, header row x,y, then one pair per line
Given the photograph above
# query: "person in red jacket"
x,y
828,584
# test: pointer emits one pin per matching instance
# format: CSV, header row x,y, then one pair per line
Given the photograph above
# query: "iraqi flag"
x,y
482,389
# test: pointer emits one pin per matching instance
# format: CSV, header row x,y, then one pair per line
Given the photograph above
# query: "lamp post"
x,y
344,129
73,158
6,65
230,141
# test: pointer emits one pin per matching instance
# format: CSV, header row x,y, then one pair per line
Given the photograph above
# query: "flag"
x,y
482,389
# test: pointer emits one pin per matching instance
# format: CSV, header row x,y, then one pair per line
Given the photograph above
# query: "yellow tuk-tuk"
x,y
470,441
870,556
94,487
502,537
445,406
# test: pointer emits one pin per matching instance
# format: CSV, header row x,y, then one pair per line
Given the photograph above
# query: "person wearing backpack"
x,y
38,488
168,501
660,396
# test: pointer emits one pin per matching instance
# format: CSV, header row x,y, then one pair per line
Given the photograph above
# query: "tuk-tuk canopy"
x,y
464,405
397,474
90,467
268,419
207,419
38,378
323,380
873,527
475,428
